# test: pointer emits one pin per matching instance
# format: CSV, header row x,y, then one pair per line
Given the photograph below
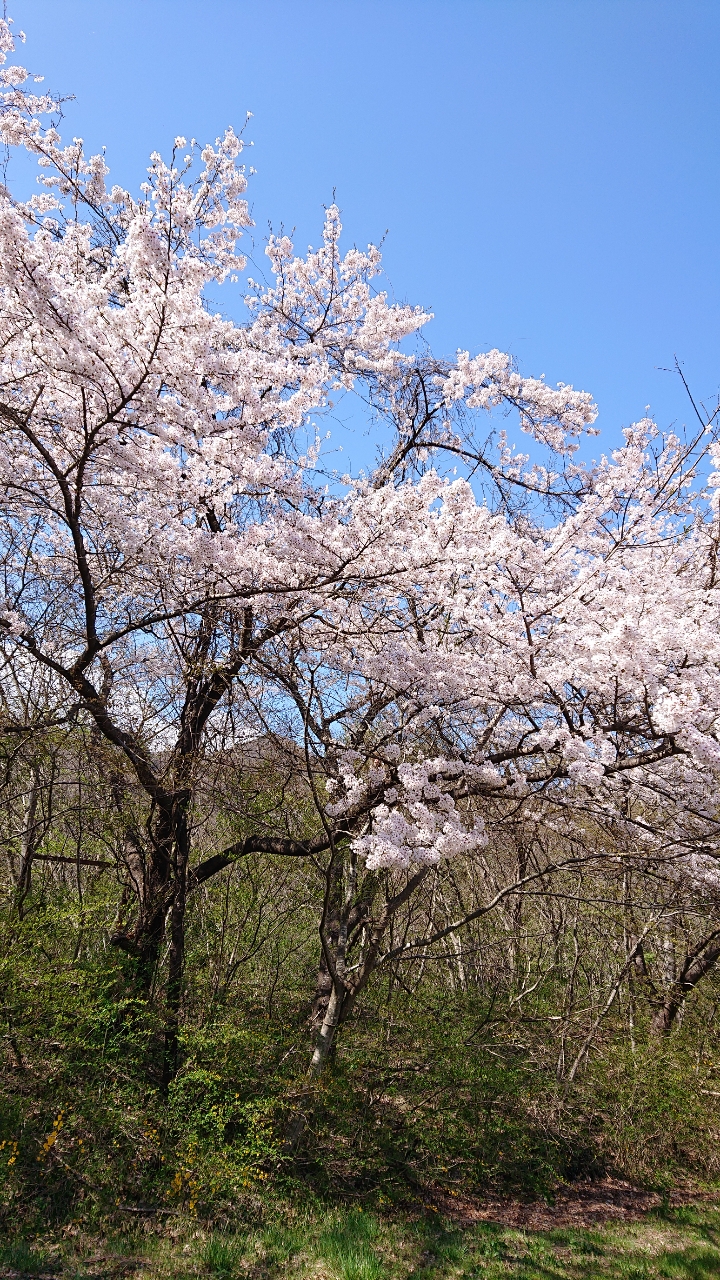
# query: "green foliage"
x,y
651,1111
225,1143
437,1089
424,1103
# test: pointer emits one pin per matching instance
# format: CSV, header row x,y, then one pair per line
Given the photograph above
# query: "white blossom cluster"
x,y
414,820
164,496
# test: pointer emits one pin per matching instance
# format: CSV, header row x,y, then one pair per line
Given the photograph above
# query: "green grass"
x,y
679,1244
348,1246
222,1255
23,1257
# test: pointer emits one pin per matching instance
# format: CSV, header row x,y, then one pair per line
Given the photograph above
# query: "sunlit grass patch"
x,y
321,1243
347,1245
222,1255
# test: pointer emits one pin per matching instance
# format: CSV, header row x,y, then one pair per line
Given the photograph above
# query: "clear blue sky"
x,y
547,170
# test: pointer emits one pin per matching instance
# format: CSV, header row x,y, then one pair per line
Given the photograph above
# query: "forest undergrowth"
x,y
434,1098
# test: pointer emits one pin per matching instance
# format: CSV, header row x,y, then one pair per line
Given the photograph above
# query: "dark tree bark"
x,y
696,965
28,841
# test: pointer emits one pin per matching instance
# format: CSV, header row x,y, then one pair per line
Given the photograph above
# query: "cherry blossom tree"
x,y
443,651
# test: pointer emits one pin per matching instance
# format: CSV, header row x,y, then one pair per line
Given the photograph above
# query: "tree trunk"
x,y
159,880
345,925
697,964
330,929
327,1032
176,958
336,1006
150,872
28,841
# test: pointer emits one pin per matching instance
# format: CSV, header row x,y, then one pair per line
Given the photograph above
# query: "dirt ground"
x,y
582,1204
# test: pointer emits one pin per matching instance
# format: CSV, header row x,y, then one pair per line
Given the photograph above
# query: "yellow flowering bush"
x,y
229,1145
53,1135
